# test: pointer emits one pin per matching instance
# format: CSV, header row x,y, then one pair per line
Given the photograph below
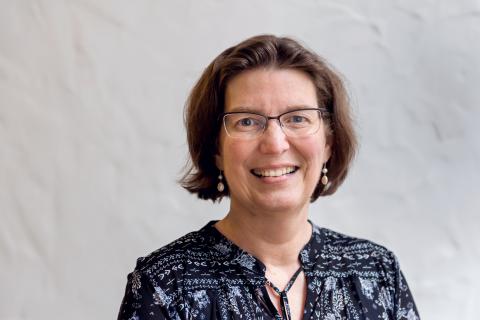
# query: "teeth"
x,y
274,172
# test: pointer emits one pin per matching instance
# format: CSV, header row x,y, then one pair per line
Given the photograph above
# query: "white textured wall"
x,y
92,141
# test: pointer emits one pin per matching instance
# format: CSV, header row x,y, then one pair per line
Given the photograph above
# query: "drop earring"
x,y
220,185
324,179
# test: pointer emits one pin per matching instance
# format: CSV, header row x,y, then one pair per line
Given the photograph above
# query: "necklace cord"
x,y
284,305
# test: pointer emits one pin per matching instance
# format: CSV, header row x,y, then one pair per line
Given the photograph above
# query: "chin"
x,y
281,202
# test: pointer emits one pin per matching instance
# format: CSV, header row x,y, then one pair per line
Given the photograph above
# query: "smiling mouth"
x,y
262,173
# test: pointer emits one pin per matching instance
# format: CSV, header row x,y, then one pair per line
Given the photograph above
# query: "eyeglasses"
x,y
294,123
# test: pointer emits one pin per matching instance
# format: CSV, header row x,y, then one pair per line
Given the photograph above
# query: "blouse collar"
x,y
232,254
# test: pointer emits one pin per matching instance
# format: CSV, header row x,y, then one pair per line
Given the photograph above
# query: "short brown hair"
x,y
206,104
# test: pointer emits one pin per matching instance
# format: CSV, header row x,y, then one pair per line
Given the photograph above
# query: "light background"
x,y
92,139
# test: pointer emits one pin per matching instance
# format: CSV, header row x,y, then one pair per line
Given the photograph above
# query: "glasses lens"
x,y
299,123
244,125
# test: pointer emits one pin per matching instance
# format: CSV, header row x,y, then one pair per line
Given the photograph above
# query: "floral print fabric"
x,y
203,275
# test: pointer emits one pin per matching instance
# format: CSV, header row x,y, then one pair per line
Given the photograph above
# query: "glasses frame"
x,y
324,113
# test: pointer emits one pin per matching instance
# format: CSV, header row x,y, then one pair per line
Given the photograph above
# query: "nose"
x,y
274,140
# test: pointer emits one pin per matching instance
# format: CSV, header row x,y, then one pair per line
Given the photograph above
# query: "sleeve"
x,y
404,305
141,301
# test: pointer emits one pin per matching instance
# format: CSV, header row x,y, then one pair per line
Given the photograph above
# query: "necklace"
x,y
283,294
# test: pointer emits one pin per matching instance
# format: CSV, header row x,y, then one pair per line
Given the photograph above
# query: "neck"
x,y
274,238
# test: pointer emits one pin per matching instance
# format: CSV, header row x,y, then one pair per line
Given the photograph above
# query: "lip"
x,y
274,167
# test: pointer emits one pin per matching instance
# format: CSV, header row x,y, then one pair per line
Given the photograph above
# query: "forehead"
x,y
270,90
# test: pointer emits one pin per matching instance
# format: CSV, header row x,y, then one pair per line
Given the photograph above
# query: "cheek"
x,y
235,154
314,150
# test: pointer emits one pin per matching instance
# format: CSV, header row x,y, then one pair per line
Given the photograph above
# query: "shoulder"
x,y
163,278
362,268
173,258
339,243
352,255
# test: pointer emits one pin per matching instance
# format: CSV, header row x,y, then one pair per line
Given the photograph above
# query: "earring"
x,y
220,185
324,178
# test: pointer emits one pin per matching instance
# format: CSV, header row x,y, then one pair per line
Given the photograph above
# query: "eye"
x,y
246,122
297,119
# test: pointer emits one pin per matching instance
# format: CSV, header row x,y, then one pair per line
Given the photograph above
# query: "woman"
x,y
268,126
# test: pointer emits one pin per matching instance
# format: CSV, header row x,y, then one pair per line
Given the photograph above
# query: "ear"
x,y
327,153
219,161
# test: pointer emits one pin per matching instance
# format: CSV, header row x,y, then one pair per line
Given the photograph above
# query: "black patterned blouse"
x,y
203,275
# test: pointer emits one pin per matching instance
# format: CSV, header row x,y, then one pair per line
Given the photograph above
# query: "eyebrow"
x,y
242,109
255,110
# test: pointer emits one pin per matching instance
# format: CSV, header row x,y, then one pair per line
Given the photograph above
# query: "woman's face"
x,y
246,162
